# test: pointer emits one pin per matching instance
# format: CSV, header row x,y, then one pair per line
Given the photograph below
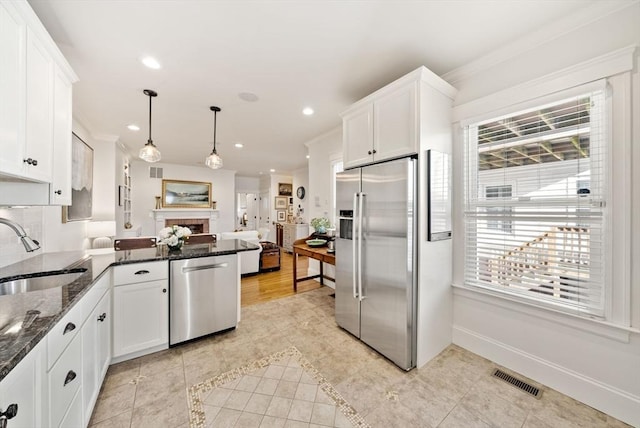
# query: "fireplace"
x,y
199,220
196,225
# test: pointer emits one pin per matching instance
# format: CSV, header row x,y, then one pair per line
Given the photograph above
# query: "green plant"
x,y
320,222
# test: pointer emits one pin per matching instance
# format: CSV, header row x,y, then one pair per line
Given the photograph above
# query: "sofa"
x,y
249,260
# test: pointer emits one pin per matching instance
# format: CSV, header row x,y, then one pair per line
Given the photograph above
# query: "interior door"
x,y
388,260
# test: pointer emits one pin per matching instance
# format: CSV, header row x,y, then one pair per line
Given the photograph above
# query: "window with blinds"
x,y
534,212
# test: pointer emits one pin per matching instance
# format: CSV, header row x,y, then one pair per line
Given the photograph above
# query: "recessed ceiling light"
x,y
307,111
248,96
151,62
239,145
133,127
308,156
272,170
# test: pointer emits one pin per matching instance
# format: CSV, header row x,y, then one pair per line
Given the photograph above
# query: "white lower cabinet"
x,y
140,310
141,318
22,389
65,379
96,353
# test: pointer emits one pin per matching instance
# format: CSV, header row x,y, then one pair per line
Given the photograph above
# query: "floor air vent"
x,y
524,386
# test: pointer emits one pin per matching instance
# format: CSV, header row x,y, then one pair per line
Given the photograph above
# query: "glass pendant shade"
x,y
214,161
150,153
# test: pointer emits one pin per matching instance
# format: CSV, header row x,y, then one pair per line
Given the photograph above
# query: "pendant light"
x,y
214,161
149,152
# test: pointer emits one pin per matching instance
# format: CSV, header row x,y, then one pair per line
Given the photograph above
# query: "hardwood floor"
x,y
267,286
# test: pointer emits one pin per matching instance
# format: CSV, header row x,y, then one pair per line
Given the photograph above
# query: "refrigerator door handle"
x,y
353,248
360,296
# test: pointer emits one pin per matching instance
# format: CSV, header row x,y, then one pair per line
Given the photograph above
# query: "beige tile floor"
x,y
455,389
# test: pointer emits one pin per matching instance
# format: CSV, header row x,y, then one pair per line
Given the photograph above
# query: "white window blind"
x,y
534,212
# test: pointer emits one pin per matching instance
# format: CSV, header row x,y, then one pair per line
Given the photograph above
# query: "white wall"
x,y
593,362
301,178
322,151
145,189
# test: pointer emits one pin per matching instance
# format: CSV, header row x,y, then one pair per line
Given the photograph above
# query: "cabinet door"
x,y
140,317
396,123
357,135
61,175
96,353
12,36
39,144
23,386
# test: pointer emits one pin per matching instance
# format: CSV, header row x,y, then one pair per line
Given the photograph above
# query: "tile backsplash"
x,y
11,249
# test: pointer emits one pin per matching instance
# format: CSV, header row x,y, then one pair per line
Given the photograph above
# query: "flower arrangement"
x,y
174,236
320,224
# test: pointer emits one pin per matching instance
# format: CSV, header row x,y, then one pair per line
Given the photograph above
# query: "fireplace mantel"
x,y
161,215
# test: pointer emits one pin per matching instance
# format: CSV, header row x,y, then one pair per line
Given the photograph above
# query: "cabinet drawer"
x,y
63,333
64,381
140,272
95,293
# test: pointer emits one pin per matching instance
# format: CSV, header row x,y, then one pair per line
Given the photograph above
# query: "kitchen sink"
x,y
25,285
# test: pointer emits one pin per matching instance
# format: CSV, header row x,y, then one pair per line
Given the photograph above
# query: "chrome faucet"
x,y
29,244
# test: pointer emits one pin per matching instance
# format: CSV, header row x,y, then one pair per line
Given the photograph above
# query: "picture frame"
x,y
186,194
281,203
289,218
282,216
290,209
81,182
285,189
291,200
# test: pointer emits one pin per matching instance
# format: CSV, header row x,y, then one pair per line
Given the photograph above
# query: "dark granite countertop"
x,y
19,332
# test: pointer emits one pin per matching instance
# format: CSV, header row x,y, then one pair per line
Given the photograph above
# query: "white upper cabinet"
x,y
60,188
386,124
39,139
358,131
35,107
12,70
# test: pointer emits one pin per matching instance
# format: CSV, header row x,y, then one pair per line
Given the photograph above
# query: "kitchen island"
x,y
53,304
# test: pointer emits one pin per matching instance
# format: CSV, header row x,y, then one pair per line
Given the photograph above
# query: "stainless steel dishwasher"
x,y
203,296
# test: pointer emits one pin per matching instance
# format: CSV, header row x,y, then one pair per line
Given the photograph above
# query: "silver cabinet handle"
x,y
71,375
142,272
188,269
69,327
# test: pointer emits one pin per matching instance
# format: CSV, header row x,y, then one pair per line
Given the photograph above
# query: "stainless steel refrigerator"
x,y
376,257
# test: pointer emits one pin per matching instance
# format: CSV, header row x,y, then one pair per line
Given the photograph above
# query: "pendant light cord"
x,y
215,114
150,140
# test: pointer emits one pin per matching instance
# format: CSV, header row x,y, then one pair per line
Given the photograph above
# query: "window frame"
x,y
471,181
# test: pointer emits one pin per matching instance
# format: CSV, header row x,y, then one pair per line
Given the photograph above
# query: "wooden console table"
x,y
300,247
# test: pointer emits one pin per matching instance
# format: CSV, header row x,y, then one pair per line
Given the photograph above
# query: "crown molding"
x,y
597,11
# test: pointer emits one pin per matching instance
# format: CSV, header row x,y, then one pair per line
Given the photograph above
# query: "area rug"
x,y
269,392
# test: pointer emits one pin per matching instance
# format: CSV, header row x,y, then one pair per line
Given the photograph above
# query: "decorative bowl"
x,y
316,242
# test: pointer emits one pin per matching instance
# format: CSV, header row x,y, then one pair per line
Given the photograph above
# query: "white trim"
x,y
548,33
594,326
592,392
615,62
337,130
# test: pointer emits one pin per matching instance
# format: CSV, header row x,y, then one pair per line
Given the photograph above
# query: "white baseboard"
x,y
608,399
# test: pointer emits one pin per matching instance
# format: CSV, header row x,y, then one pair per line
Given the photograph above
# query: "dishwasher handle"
x,y
187,269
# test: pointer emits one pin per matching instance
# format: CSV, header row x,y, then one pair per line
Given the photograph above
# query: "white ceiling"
x,y
325,54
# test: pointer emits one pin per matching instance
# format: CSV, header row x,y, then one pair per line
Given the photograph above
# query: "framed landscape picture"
x,y
81,182
281,203
186,194
285,189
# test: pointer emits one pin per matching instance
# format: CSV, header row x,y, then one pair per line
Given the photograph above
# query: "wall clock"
x,y
300,192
